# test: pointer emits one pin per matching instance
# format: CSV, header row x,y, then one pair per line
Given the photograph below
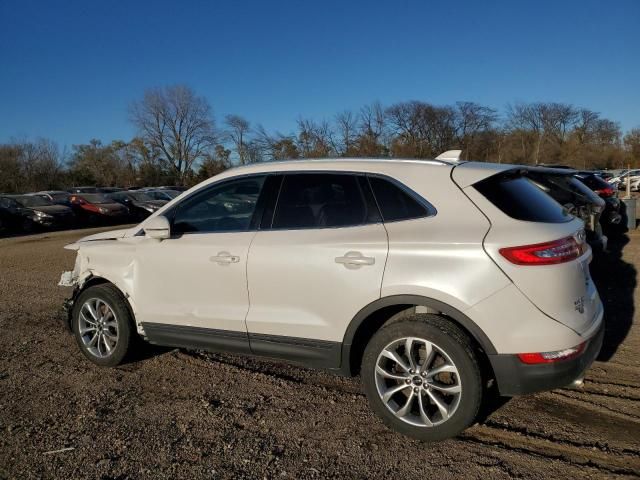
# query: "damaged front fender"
x,y
67,279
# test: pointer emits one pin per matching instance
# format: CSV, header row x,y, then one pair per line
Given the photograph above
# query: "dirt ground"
x,y
183,414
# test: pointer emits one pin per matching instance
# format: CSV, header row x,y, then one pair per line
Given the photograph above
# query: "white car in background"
x,y
430,279
620,182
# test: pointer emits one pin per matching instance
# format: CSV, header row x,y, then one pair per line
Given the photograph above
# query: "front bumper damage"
x,y
69,279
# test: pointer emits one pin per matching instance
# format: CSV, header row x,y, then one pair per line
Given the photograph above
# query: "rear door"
x,y
317,260
525,219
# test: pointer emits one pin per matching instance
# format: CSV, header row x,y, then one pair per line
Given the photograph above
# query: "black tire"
x,y
459,348
112,297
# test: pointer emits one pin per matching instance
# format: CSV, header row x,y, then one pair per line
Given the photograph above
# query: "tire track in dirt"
x,y
594,405
626,464
488,433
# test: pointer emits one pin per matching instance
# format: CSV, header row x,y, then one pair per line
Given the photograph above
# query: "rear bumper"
x,y
516,378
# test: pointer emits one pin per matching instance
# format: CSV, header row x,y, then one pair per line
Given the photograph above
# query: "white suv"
x,y
431,279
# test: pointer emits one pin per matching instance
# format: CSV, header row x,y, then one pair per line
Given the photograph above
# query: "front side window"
x,y
323,200
228,207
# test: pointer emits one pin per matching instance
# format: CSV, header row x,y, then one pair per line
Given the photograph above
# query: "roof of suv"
x,y
470,173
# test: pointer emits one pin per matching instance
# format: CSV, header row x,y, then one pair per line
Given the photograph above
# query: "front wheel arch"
x,y
92,281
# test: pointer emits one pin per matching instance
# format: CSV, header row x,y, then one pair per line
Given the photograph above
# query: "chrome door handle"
x,y
355,259
224,258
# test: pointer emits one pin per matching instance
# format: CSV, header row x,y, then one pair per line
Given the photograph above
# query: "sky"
x,y
69,69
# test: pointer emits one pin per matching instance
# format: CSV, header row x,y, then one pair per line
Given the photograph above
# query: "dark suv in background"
x,y
575,197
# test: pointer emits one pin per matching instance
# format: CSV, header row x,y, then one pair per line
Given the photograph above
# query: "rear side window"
x,y
395,203
519,198
318,200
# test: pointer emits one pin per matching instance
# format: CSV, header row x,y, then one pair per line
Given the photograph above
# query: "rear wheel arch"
x,y
389,309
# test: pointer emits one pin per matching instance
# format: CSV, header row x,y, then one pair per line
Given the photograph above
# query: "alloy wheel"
x,y
418,382
98,327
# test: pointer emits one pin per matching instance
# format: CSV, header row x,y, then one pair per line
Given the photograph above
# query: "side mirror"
x,y
158,228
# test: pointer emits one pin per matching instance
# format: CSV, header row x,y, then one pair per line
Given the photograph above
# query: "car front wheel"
x,y
102,325
422,377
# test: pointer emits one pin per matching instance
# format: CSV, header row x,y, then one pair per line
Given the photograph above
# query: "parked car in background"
x,y
110,189
576,197
620,182
177,188
59,197
14,217
83,190
430,279
38,212
98,208
611,218
635,183
139,203
160,194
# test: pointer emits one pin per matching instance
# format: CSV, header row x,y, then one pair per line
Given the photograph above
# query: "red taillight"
x,y
605,192
549,253
551,357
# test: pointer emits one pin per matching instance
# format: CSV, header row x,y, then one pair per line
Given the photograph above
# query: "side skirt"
x,y
307,352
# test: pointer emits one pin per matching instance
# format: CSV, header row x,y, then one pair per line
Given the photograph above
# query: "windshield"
x,y
141,196
32,201
96,198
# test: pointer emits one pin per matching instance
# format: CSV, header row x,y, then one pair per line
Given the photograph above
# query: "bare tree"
x,y
315,140
472,121
372,138
178,123
421,130
276,146
346,131
237,131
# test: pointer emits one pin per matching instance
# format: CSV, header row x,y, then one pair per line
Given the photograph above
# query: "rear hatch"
x,y
537,244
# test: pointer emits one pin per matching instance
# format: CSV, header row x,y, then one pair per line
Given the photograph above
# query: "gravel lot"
x,y
182,414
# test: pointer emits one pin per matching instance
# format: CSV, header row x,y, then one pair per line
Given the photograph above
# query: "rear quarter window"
x,y
395,203
517,197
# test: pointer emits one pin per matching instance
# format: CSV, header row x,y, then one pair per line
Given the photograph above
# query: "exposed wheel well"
x,y
374,320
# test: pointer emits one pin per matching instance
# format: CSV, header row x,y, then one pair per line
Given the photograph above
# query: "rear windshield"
x,y
594,182
519,198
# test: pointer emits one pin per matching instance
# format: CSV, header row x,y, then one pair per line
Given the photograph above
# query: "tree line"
x,y
179,142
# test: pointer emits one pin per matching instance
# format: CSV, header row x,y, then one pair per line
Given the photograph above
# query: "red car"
x,y
98,208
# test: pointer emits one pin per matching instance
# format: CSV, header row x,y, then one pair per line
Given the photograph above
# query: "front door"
x,y
194,285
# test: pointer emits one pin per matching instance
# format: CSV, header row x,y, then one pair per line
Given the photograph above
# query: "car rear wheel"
x,y
102,325
422,377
